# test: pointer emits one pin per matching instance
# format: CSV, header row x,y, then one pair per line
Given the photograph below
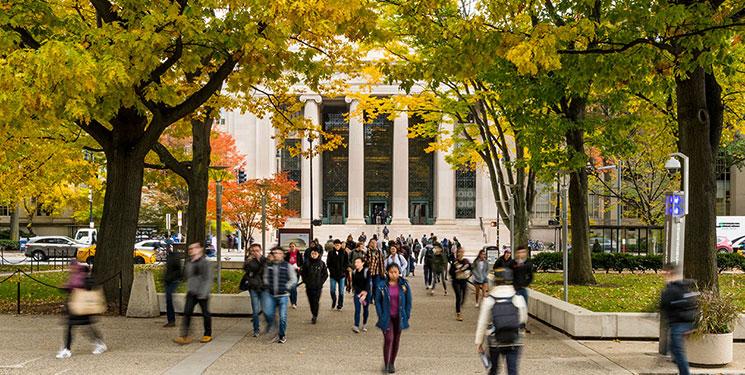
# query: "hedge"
x,y
619,262
10,245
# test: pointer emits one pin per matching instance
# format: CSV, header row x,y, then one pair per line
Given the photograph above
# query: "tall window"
x,y
465,194
723,184
336,165
378,165
544,206
291,166
421,178
4,211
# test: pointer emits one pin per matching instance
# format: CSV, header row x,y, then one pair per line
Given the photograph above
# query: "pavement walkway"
x,y
435,344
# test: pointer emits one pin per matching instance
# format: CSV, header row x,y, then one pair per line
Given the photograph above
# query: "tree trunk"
x,y
124,173
699,120
198,182
580,265
15,221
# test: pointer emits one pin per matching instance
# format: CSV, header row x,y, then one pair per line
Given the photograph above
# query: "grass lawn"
x,y
9,268
626,292
39,299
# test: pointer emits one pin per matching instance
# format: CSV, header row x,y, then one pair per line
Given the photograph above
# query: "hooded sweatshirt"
x,y
485,314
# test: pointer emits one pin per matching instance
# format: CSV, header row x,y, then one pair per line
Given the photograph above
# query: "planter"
x,y
709,350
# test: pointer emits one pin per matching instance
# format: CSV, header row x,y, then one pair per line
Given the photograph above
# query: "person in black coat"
x,y
254,276
522,274
337,261
172,278
314,275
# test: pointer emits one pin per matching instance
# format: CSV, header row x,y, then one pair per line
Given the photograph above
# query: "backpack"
x,y
506,321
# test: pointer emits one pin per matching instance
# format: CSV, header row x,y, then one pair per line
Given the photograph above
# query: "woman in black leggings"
x,y
460,272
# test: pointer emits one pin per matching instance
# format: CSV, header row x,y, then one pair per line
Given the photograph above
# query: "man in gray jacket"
x,y
279,278
198,273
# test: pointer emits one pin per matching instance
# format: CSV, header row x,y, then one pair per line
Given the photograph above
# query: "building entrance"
x,y
378,212
336,212
418,213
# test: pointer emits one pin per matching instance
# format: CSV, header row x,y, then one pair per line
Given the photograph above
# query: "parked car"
x,y
45,247
723,245
141,256
150,245
86,235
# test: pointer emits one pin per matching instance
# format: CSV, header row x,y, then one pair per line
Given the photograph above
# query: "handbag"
x,y
87,302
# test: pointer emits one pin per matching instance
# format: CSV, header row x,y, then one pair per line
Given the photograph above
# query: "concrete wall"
x,y
579,322
222,304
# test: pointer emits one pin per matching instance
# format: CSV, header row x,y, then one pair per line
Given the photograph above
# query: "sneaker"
x,y
205,339
459,317
356,329
313,320
477,304
338,308
431,292
182,340
169,325
282,340
364,328
64,353
391,369
256,334
446,292
100,348
275,339
294,307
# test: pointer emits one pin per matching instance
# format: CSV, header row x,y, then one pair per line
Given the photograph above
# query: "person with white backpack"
x,y
398,259
501,318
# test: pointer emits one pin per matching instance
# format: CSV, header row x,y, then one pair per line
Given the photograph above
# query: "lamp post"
x,y
564,198
676,208
218,176
88,156
310,147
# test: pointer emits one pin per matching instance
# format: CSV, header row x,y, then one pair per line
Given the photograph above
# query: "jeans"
x,y
459,286
270,304
439,277
357,307
293,296
391,338
256,308
341,283
191,302
170,312
677,334
427,276
314,298
511,355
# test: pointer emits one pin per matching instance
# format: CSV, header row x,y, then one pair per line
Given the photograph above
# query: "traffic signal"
x,y
241,176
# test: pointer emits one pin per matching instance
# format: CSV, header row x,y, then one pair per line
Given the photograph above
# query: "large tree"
x,y
124,72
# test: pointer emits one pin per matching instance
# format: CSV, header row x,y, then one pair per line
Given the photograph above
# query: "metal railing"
x,y
19,275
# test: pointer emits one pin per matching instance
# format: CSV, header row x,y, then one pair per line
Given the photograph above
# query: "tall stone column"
x,y
356,165
313,114
445,182
400,210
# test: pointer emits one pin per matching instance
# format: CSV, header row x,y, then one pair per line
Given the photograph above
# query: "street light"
x,y
218,177
564,198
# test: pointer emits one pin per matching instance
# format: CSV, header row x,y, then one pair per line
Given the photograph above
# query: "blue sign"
x,y
674,205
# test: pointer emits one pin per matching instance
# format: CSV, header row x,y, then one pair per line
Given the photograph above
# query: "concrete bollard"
x,y
143,300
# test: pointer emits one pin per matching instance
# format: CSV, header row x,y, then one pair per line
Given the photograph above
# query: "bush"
x,y
619,262
548,261
730,261
10,245
718,313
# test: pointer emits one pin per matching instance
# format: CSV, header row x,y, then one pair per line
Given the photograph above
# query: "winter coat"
x,y
254,270
174,268
315,274
439,262
337,262
522,274
198,275
383,303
